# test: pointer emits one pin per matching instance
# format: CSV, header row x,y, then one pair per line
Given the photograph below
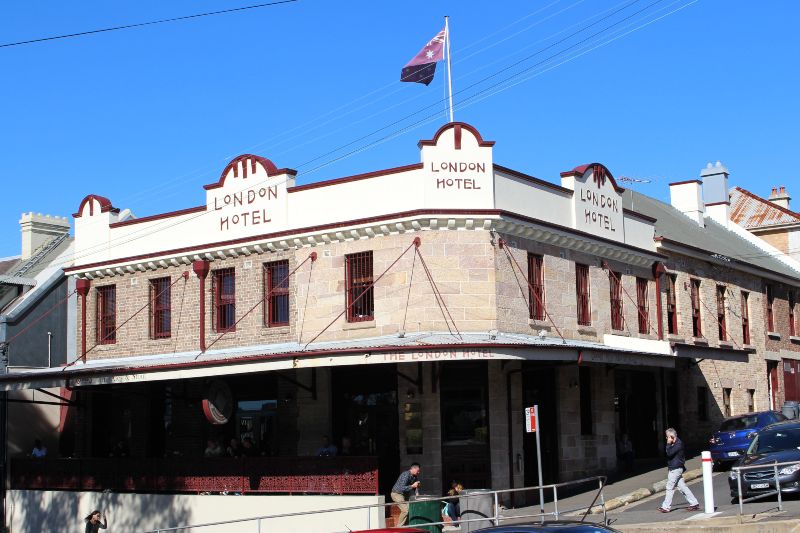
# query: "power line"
x,y
140,24
464,103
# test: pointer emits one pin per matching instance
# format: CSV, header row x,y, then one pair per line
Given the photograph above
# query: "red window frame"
x,y
642,305
276,293
792,322
106,315
360,292
770,297
672,307
722,324
745,318
536,288
223,286
615,299
697,323
160,308
582,293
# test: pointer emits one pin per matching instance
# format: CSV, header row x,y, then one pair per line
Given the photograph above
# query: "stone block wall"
x,y
561,293
461,264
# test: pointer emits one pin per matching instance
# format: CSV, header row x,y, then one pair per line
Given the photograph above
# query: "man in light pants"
x,y
675,468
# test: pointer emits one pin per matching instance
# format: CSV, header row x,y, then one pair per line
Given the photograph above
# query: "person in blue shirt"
x,y
406,482
328,449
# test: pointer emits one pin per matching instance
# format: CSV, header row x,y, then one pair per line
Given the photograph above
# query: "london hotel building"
x,y
412,314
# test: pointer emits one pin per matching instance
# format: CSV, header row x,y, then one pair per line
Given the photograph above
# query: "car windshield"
x,y
740,422
775,440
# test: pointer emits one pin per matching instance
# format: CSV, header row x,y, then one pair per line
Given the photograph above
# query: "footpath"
x,y
632,506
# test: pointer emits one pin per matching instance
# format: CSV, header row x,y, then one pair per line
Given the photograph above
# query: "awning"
x,y
410,348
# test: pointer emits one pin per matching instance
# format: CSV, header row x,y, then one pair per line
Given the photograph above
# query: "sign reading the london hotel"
x,y
597,201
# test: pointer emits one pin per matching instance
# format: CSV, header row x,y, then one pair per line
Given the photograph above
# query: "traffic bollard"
x,y
708,483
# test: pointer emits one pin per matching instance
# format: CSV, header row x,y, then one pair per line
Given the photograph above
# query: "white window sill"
x,y
366,324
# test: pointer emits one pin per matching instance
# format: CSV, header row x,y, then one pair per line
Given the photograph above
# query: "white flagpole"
x,y
449,71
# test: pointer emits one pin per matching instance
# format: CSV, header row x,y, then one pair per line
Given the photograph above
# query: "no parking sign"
x,y
530,419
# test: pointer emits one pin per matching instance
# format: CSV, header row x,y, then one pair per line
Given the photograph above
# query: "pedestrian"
x,y
328,449
676,462
39,451
406,482
452,507
93,524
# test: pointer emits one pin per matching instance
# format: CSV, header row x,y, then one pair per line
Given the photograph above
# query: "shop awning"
x,y
409,348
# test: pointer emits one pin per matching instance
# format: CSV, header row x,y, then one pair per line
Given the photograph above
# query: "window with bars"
x,y
770,311
160,308
615,297
106,330
726,402
672,307
697,324
224,289
722,325
536,288
276,295
642,305
792,323
582,290
745,318
360,293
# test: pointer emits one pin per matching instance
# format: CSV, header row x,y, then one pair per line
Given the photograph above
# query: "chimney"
x,y
38,229
687,197
715,192
780,197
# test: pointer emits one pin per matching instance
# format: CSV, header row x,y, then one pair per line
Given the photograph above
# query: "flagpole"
x,y
449,71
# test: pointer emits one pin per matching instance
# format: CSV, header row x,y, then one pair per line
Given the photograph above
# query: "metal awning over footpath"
x,y
409,348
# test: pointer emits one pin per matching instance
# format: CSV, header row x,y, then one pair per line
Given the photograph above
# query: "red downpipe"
x,y
82,287
658,270
201,269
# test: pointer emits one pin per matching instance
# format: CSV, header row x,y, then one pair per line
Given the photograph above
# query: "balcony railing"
x,y
284,475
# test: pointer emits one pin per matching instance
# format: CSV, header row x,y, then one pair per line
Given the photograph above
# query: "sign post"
x,y
532,426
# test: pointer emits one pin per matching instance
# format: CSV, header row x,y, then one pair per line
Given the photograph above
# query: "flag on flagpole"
x,y
422,66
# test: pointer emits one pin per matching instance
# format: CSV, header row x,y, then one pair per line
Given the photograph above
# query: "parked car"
x,y
776,443
734,435
551,527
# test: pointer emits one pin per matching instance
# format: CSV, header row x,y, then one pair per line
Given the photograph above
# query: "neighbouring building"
x,y
37,331
409,314
775,224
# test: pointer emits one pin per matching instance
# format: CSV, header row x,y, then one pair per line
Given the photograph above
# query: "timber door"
x,y
790,379
539,388
465,425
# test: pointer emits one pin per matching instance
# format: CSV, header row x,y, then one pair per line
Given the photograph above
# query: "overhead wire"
x,y
465,102
141,24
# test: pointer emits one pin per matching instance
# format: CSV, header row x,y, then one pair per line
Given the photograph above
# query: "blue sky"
x,y
147,116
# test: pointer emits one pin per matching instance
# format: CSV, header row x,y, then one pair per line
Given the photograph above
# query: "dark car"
x,y
551,527
733,437
777,443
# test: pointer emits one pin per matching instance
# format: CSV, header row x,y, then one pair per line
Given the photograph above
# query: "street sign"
x,y
530,419
532,426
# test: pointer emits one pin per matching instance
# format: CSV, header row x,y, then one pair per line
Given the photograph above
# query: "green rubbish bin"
x,y
424,510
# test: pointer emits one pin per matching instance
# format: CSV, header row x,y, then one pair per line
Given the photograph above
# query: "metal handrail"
x,y
738,470
496,518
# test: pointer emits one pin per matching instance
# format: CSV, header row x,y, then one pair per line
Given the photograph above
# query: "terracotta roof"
x,y
751,211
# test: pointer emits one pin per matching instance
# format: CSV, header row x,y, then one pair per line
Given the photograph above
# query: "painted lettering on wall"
x,y
247,207
597,207
457,167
